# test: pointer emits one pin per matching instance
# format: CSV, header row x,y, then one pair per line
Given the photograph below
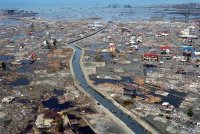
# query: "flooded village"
x,y
93,76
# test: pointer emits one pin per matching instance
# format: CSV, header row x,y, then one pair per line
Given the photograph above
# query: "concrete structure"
x,y
7,99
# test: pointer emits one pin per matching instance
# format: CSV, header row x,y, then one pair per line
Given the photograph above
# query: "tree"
x,y
3,65
190,112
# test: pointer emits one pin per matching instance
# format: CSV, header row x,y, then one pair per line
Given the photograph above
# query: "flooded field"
x,y
54,104
6,57
20,82
113,81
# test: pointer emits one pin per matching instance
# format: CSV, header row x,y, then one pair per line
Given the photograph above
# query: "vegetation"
x,y
60,125
190,112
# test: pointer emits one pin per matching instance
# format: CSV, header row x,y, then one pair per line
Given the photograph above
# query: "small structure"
x,y
112,47
47,119
166,109
187,50
132,40
165,49
197,53
133,47
160,34
39,121
7,99
186,33
180,70
150,57
130,91
32,56
139,39
30,33
167,57
139,80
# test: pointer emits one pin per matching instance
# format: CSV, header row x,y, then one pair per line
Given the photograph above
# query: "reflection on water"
x,y
113,81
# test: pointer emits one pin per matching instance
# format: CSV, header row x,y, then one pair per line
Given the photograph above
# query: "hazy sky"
x,y
42,3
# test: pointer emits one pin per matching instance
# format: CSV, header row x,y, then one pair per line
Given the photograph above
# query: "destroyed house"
x,y
112,47
166,109
129,91
48,114
165,49
167,57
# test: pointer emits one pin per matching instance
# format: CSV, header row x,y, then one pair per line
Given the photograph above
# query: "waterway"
x,y
134,126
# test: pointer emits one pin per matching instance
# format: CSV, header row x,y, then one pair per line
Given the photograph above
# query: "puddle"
x,y
19,36
85,130
150,68
28,128
100,81
20,82
73,117
106,57
53,103
7,122
26,62
127,103
174,98
34,109
22,69
59,92
25,66
89,110
6,57
24,101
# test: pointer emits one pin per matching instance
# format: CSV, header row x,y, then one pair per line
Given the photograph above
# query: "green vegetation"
x,y
60,125
190,112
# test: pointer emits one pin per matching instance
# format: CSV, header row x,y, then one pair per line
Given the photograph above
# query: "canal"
x,y
134,126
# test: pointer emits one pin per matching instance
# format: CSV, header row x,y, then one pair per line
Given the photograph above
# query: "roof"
x,y
112,45
151,55
189,36
29,32
188,48
163,32
33,54
130,88
165,104
165,47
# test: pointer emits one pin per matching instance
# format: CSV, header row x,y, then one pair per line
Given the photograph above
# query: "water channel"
x,y
134,126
